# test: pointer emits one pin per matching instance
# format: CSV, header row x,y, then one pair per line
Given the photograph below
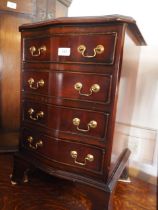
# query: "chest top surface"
x,y
89,21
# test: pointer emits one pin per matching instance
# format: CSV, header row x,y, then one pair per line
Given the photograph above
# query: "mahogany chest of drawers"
x,y
71,70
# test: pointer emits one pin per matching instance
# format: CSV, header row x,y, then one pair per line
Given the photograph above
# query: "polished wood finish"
x,y
9,141
67,90
10,68
71,69
65,125
25,8
47,192
73,42
10,19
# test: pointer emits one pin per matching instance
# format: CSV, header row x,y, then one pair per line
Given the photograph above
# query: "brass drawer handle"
x,y
94,89
91,124
39,84
36,145
37,52
99,49
37,116
88,157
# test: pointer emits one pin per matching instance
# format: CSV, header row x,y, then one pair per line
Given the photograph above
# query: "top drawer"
x,y
72,48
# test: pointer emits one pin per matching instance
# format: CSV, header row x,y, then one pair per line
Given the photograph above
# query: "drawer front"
x,y
66,120
82,86
65,152
95,88
36,49
35,82
86,48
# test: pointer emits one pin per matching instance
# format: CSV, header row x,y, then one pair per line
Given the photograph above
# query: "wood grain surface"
x,y
44,192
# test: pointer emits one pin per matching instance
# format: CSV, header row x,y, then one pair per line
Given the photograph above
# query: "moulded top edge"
x,y
87,20
79,19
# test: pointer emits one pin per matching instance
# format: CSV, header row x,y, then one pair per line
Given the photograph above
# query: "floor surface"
x,y
44,192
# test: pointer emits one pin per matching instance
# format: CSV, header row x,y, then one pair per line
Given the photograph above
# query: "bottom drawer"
x,y
67,153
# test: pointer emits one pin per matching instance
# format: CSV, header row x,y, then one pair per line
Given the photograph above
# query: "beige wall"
x,y
141,132
146,100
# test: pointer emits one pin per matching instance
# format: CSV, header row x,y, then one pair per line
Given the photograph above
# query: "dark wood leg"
x,y
98,199
20,170
125,176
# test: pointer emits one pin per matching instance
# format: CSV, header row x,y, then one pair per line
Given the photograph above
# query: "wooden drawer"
x,y
67,121
96,88
67,153
86,48
37,49
87,87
